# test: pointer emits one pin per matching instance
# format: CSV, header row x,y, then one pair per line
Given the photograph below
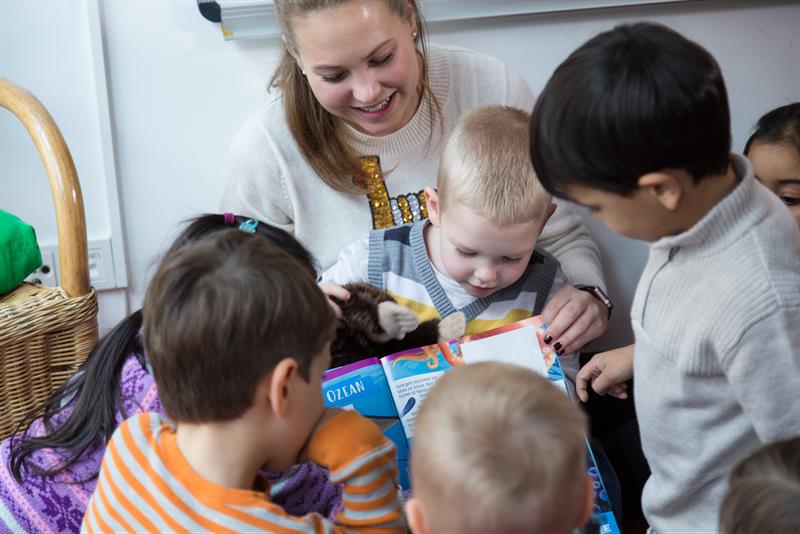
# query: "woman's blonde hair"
x,y
318,134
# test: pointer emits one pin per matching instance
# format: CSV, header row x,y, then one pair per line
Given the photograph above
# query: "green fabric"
x,y
19,251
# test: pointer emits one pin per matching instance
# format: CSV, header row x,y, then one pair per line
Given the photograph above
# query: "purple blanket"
x,y
57,504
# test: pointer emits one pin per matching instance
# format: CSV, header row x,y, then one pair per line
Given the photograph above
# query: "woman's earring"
x,y
304,72
414,35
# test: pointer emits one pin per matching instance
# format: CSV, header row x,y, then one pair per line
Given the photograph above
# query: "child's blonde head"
x,y
764,491
497,448
486,165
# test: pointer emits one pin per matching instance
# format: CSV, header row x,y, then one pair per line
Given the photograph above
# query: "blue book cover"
x,y
363,387
390,390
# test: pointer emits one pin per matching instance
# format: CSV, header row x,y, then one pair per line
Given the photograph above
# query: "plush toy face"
x,y
362,333
376,325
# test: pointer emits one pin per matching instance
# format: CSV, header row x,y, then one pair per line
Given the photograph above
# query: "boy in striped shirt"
x,y
238,334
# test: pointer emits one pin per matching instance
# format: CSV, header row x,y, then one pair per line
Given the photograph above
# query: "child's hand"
x,y
327,415
574,318
607,371
334,290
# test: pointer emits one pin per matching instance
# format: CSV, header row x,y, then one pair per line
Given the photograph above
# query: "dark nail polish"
x,y
547,339
558,347
559,353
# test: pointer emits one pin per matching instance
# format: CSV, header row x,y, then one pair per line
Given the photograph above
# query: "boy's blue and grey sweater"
x,y
399,263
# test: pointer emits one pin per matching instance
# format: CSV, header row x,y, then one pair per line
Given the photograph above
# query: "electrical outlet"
x,y
101,264
47,274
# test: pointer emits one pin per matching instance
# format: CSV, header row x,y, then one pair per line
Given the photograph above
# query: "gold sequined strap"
x,y
386,211
376,192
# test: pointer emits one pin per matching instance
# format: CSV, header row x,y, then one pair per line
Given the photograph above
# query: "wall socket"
x,y
101,266
47,274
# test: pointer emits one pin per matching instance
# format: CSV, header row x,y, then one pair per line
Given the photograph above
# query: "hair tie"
x,y
249,226
229,218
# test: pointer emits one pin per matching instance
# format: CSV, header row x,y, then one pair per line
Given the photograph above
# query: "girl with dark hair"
x,y
50,465
774,150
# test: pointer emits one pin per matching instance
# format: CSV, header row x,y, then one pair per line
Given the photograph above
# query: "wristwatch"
x,y
599,294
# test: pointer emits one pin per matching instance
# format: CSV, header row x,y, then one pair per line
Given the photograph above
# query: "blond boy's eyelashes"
x,y
505,259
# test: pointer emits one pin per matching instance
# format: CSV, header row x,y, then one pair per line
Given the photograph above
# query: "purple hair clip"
x,y
229,218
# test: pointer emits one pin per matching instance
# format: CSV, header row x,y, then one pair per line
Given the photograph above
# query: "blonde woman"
x,y
353,132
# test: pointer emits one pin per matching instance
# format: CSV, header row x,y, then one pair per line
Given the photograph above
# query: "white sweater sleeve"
x,y
351,266
763,370
564,236
253,179
518,92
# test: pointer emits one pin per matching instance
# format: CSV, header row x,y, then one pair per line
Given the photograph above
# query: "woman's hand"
x,y
574,318
607,372
334,290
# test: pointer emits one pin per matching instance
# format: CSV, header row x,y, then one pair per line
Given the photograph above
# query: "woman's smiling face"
x,y
361,63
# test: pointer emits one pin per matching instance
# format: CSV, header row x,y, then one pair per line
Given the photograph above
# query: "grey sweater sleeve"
x,y
770,398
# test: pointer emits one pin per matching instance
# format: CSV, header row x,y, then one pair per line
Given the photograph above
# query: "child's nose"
x,y
486,274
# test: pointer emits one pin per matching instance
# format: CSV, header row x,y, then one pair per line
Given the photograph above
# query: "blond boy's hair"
x,y
486,166
497,448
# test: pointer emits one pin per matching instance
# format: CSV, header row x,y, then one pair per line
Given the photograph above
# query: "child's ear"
x,y
588,502
281,384
416,517
665,187
434,208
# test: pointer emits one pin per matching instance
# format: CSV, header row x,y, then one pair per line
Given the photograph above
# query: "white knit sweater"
x,y
267,178
716,318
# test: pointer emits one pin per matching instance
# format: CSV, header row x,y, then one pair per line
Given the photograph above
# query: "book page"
x,y
518,347
408,394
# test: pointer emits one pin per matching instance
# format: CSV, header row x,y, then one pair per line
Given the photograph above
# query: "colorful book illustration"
x,y
390,390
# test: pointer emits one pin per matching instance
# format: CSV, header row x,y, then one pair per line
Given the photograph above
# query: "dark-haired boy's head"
x,y
220,314
634,100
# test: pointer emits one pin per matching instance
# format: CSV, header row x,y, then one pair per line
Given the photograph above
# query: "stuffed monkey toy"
x,y
376,325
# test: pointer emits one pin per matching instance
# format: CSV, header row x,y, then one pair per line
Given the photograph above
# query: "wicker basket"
x,y
45,333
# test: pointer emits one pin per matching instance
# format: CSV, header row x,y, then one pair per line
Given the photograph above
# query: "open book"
x,y
390,390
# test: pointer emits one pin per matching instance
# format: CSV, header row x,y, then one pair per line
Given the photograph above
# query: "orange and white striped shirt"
x,y
146,484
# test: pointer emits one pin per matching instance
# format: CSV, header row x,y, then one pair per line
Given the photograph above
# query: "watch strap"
x,y
599,294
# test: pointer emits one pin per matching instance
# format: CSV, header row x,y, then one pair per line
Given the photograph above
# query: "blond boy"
x,y
477,252
497,448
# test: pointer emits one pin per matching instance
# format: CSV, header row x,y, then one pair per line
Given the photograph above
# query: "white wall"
x,y
179,92
46,48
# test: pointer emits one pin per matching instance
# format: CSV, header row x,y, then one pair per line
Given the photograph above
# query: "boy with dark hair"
x,y
635,126
238,334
